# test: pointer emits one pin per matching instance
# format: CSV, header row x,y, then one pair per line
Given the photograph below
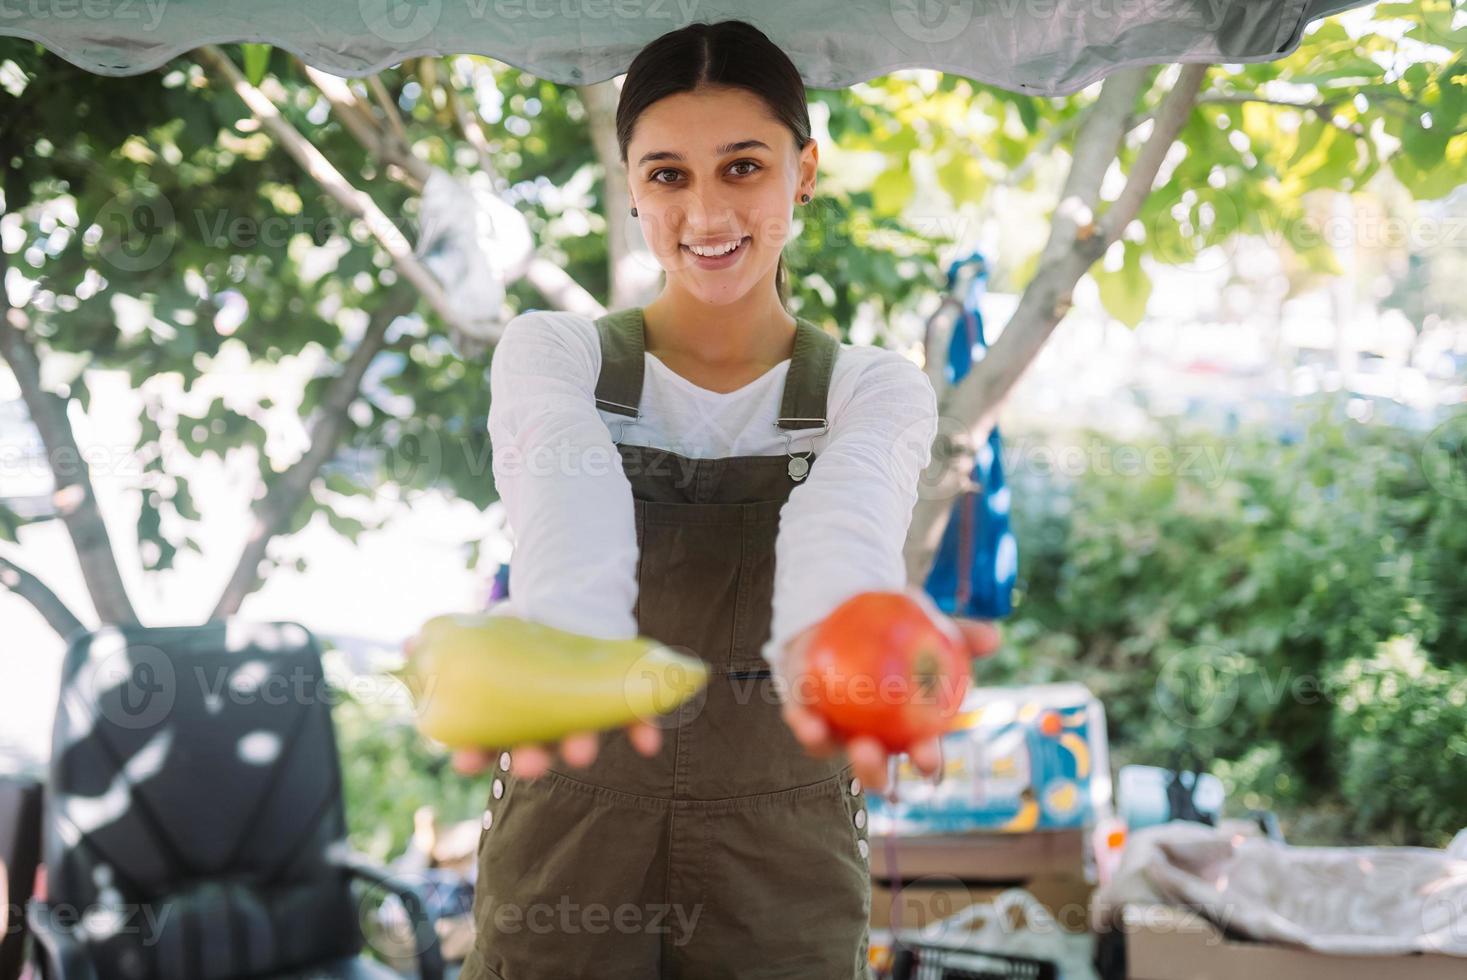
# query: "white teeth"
x,y
714,250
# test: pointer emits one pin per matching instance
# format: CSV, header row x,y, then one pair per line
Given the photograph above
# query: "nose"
x,y
710,215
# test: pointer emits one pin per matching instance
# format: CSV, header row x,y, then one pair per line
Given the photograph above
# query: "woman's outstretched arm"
x,y
569,505
568,502
843,528
842,533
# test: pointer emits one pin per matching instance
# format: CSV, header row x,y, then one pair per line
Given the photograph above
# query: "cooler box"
x,y
1016,760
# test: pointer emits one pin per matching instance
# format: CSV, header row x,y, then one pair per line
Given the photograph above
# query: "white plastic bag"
x,y
473,242
1016,924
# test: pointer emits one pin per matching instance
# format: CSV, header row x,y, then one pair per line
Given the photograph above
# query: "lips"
x,y
718,261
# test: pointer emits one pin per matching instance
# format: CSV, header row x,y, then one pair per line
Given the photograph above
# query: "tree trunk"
x,y
75,500
38,594
1077,239
288,492
633,269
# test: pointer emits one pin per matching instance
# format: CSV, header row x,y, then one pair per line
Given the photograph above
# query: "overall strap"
x,y
806,385
619,387
808,381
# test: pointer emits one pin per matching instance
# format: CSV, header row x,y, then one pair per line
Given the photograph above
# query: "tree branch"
x,y
1324,108
468,124
286,494
550,280
1046,146
1096,145
30,588
358,120
1170,119
1074,246
560,290
630,267
389,108
75,499
357,203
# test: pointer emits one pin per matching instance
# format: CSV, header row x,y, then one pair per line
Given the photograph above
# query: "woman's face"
x,y
711,167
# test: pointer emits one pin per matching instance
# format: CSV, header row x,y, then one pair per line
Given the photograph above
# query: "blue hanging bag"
x,y
977,562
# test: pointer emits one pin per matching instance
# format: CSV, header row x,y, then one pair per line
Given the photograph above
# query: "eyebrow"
x,y
725,148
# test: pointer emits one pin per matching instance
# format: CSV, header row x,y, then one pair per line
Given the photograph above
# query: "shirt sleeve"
x,y
843,529
567,500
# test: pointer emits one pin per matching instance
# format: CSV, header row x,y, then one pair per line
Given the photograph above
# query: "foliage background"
x,y
1296,620
152,226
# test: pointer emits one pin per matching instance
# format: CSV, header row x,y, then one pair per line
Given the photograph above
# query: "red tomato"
x,y
889,665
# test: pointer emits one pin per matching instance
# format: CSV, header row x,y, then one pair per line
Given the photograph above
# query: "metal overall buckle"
x,y
622,423
799,466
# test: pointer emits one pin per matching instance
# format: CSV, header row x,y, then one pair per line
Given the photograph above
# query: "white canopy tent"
x,y
1037,47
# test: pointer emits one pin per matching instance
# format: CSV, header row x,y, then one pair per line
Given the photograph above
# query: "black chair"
x,y
20,853
193,827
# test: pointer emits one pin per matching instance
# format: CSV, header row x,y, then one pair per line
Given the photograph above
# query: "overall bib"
x,y
732,853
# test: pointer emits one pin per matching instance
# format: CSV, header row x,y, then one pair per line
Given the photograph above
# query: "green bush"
x,y
389,770
1292,612
1214,592
1401,729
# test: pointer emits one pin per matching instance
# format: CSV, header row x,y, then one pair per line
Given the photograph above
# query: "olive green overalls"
x,y
733,853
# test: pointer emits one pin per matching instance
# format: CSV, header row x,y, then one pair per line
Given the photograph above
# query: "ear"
x,y
809,163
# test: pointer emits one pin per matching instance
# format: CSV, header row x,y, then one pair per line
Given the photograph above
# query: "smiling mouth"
x,y
742,243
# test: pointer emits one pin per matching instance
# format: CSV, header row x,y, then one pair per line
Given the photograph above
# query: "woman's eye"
x,y
656,175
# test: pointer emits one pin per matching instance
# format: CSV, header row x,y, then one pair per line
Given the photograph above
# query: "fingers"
x,y
579,748
982,637
926,756
470,762
532,759
645,737
868,761
810,729
529,761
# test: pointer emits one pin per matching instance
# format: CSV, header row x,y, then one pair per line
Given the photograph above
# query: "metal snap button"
x,y
863,847
860,819
504,761
498,788
488,820
856,786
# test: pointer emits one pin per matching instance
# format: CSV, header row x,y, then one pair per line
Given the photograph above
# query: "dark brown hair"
x,y
730,53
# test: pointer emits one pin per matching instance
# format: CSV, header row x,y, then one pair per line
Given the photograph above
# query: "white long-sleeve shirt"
x,y
569,504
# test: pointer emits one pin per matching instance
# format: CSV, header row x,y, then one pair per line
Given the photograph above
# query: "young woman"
x,y
718,474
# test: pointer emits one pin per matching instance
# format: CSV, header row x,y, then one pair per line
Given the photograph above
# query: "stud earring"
x,y
634,212
804,198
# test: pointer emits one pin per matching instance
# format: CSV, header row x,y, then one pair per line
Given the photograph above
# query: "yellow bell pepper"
x,y
496,681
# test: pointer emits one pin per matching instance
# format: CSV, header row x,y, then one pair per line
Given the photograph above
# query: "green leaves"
x,y
10,524
962,178
1125,292
174,237
1426,175
256,62
388,770
1288,603
892,190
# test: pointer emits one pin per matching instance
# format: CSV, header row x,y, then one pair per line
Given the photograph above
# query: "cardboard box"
x,y
980,856
930,898
1168,943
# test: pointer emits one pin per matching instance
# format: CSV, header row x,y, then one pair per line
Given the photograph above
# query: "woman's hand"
x,y
867,754
530,759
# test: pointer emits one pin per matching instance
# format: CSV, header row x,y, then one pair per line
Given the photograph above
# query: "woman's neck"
x,y
756,332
